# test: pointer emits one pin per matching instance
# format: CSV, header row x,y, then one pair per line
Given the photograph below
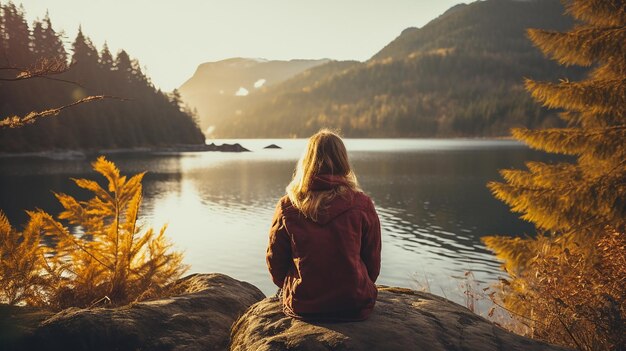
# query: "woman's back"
x,y
324,250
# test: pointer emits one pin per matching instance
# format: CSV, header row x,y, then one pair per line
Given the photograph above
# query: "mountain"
x,y
144,117
216,88
461,75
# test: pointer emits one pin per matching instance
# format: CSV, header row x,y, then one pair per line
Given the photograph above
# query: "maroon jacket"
x,y
327,268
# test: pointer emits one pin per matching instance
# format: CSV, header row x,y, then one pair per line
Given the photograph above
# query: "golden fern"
x,y
99,253
21,264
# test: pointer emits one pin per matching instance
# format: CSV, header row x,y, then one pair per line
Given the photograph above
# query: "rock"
x,y
17,322
403,319
272,146
198,319
225,147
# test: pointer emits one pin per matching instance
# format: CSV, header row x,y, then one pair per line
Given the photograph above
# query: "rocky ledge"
x,y
198,319
403,319
207,305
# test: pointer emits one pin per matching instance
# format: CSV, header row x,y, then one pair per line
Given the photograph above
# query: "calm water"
x,y
430,196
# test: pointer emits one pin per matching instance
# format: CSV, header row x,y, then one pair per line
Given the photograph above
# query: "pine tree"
x,y
54,47
585,196
567,284
146,119
46,43
137,73
85,54
106,59
38,39
16,36
123,66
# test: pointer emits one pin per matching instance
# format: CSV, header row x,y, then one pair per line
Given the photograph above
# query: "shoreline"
x,y
234,146
78,154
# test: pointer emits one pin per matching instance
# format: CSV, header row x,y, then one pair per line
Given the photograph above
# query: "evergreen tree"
x,y
53,46
16,36
579,206
136,72
584,196
85,54
106,59
123,66
148,118
46,43
38,39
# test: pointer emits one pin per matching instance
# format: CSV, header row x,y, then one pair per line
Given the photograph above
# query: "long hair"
x,y
325,154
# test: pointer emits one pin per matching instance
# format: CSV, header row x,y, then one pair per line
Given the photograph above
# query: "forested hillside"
x,y
461,74
147,117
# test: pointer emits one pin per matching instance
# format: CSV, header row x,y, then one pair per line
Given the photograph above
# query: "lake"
x,y
430,195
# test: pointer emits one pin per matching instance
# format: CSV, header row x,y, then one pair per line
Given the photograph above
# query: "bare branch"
x,y
44,68
17,121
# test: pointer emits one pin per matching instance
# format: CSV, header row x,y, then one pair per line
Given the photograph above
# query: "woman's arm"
x,y
371,243
278,256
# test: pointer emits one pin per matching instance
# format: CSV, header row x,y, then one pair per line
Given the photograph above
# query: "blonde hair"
x,y
325,154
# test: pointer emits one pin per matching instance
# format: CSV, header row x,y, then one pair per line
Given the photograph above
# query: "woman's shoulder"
x,y
362,200
284,204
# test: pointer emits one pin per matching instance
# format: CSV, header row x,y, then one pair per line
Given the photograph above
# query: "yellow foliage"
x,y
576,141
598,12
569,285
590,193
21,264
595,96
106,256
562,293
582,45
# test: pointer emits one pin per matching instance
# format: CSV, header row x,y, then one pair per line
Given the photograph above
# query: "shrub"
x,y
101,254
563,294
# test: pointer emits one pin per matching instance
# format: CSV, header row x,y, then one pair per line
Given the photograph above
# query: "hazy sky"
x,y
173,37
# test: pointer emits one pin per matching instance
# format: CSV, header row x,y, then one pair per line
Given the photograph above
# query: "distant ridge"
x,y
459,75
213,87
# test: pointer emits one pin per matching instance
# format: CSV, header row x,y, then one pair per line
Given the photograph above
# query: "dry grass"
x,y
570,293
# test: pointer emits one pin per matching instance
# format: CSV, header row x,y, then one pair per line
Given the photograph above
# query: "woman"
x,y
324,243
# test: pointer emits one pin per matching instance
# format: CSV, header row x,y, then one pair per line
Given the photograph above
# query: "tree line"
x,y
148,117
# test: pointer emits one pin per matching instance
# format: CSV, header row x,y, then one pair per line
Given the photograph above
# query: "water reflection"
x,y
430,195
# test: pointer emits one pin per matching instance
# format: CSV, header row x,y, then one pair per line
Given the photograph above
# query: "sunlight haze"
x,y
171,38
